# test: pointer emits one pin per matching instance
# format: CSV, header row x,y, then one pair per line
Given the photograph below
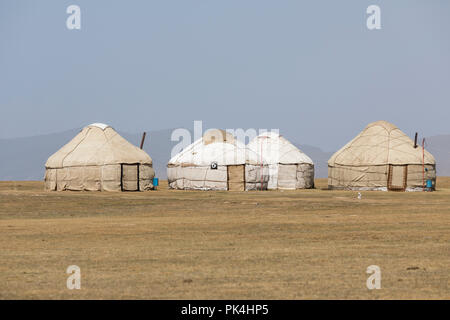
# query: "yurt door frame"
x,y
232,173
122,186
397,177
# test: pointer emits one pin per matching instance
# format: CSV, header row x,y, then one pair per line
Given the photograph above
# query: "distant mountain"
x,y
24,158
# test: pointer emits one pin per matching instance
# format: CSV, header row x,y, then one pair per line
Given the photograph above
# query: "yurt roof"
x,y
380,143
275,149
97,144
206,150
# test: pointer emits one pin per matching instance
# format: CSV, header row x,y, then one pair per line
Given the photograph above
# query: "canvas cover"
x,y
192,168
289,167
367,161
96,159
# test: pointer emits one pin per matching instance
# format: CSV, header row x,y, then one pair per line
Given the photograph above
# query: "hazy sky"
x,y
310,68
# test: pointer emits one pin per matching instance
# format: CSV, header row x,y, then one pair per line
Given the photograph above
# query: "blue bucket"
x,y
155,182
429,183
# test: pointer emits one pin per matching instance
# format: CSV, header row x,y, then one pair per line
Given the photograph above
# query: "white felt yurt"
x,y
289,167
99,159
217,161
381,157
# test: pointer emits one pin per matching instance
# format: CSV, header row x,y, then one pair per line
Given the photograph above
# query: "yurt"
x,y
381,157
217,161
99,159
289,167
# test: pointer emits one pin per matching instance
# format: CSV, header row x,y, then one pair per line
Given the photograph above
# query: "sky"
x,y
311,69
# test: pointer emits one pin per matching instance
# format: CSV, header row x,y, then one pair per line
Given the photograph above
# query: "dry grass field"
x,y
170,244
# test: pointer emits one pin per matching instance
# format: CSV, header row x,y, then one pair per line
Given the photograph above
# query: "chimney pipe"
x,y
143,139
415,141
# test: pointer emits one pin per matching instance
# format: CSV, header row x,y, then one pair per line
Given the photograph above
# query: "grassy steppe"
x,y
168,244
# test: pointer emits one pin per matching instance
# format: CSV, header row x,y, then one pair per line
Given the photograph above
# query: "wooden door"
x,y
130,177
397,177
236,178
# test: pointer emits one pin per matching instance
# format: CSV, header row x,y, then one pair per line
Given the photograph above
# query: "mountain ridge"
x,y
24,158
